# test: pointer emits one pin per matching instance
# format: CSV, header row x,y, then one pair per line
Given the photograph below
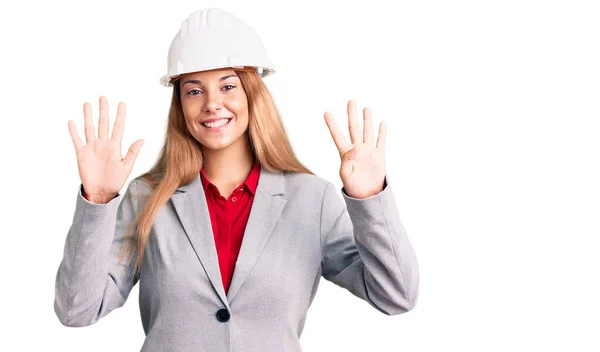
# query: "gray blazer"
x,y
299,229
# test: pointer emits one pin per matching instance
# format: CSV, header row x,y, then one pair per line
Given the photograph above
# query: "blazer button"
x,y
223,315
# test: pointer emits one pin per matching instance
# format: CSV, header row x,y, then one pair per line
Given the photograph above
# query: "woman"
x,y
228,234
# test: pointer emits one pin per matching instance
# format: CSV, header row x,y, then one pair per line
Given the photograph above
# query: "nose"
x,y
212,103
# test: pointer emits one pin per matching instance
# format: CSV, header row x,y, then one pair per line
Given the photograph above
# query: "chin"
x,y
215,145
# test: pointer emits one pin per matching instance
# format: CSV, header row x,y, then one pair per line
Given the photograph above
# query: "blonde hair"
x,y
180,158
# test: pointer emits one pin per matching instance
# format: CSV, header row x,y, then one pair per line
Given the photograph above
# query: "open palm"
x,y
102,169
362,163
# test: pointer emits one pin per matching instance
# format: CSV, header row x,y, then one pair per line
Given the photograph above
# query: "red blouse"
x,y
229,217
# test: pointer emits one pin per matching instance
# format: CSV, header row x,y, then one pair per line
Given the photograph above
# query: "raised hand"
x,y
102,169
363,164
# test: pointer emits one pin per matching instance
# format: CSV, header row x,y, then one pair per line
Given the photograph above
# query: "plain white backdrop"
x,y
493,116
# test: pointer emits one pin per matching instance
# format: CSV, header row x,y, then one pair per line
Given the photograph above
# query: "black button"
x,y
223,315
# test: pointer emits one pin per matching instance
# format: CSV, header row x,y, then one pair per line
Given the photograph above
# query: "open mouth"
x,y
217,124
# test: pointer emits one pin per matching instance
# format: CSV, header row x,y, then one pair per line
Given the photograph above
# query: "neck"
x,y
228,167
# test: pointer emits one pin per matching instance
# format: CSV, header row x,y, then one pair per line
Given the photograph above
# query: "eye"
x,y
194,90
229,85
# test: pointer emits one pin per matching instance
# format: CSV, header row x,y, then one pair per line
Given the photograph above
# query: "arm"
x,y
91,281
366,250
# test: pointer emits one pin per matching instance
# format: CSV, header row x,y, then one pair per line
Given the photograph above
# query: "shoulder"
x,y
311,194
139,185
305,183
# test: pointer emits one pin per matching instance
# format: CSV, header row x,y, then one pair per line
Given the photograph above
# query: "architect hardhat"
x,y
212,38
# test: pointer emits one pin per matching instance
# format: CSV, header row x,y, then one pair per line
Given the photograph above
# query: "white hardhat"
x,y
211,39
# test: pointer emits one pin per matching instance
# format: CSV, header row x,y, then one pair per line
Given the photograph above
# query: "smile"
x,y
216,125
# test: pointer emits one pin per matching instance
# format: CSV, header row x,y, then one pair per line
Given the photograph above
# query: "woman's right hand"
x,y
102,169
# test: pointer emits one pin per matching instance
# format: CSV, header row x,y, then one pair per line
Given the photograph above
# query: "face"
x,y
215,108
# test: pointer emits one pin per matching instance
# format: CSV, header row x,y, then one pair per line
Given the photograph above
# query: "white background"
x,y
493,150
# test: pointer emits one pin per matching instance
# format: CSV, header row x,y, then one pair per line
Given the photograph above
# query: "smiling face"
x,y
215,107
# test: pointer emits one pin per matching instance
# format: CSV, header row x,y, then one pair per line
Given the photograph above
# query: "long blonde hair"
x,y
180,158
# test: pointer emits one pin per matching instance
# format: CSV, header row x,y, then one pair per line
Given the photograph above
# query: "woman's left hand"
x,y
363,164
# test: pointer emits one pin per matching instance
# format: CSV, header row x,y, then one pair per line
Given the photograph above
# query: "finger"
x,y
103,120
368,126
353,125
133,152
119,126
75,136
90,131
382,135
336,134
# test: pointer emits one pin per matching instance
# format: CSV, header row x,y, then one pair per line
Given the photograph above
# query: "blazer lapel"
x,y
265,211
191,207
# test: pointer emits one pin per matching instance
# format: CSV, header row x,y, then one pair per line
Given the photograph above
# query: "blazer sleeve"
x,y
92,280
366,250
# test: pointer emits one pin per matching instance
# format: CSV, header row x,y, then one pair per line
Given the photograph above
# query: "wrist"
x,y
99,199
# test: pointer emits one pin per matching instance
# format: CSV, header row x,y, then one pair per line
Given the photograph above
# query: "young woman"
x,y
228,234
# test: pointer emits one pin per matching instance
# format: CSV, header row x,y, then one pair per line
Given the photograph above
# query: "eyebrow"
x,y
197,81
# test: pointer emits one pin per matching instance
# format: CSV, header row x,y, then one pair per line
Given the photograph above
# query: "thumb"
x,y
351,154
133,152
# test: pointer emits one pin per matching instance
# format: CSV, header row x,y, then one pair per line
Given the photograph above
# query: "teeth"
x,y
217,123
